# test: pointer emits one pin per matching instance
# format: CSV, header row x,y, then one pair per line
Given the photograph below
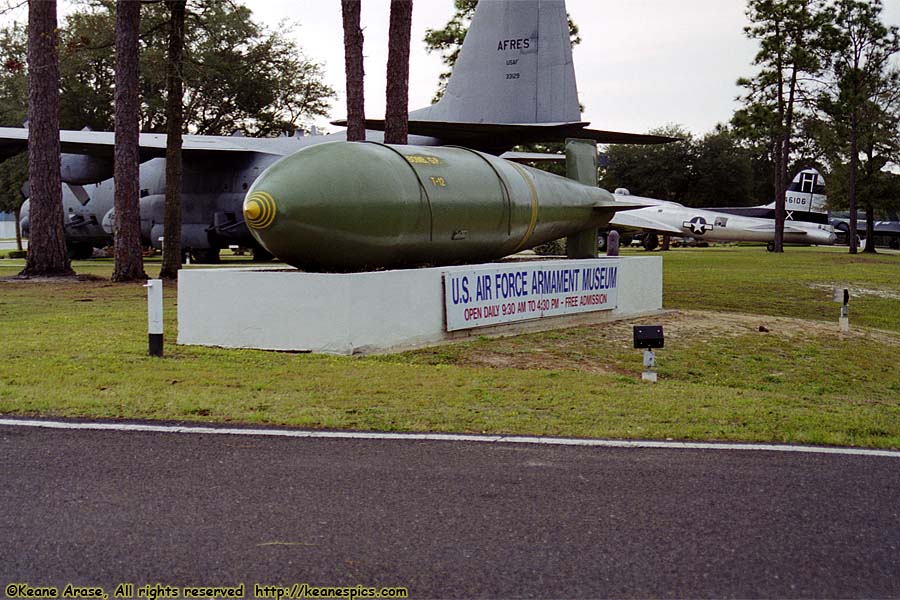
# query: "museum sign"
x,y
493,295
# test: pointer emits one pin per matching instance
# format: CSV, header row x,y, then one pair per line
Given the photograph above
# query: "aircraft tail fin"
x,y
513,83
581,161
515,66
581,165
806,192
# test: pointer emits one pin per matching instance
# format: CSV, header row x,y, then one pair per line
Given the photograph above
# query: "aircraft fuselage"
x,y
675,219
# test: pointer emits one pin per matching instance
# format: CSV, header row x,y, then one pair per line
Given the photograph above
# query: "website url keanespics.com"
x,y
304,590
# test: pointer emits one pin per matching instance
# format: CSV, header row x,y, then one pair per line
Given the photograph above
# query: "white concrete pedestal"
x,y
359,313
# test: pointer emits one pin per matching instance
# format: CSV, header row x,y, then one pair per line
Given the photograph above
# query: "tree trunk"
x,y
174,118
851,185
353,65
780,188
870,230
47,255
780,148
18,215
129,262
783,177
396,118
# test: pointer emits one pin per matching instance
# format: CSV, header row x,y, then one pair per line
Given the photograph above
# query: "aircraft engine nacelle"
x,y
153,214
81,169
109,221
209,221
25,217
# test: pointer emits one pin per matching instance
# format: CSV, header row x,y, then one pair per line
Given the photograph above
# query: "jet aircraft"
x,y
514,83
885,230
805,222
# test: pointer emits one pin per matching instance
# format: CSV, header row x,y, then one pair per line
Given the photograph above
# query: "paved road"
x,y
444,519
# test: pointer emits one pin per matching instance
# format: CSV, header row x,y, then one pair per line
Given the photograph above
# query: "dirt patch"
x,y
62,279
575,349
856,292
705,324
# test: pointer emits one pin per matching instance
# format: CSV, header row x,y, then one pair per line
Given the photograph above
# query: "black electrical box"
x,y
648,336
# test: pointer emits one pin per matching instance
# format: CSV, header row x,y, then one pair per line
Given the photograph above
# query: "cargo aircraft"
x,y
806,221
514,83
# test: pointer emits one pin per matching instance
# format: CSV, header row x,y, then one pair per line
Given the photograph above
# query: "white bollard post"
x,y
843,295
649,373
155,316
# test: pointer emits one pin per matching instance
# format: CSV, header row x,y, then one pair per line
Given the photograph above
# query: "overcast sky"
x,y
641,64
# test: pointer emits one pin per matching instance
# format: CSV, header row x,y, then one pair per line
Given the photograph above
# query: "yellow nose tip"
x,y
252,210
259,210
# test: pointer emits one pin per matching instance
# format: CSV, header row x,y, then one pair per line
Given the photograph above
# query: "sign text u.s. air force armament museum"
x,y
493,295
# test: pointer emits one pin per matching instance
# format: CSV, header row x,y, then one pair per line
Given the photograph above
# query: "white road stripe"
x,y
446,437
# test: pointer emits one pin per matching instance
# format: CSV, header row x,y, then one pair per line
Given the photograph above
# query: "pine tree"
x,y
789,33
47,255
129,264
860,100
174,122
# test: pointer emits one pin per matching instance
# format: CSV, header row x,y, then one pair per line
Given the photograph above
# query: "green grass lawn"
x,y
78,348
794,284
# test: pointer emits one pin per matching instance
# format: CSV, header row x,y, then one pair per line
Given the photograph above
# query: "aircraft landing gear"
x,y
80,251
770,246
650,241
261,255
205,256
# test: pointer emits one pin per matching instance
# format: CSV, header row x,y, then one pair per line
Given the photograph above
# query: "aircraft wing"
x,y
533,157
494,136
639,221
101,143
623,206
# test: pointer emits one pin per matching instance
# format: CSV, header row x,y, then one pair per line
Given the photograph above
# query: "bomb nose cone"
x,y
251,210
336,206
259,210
